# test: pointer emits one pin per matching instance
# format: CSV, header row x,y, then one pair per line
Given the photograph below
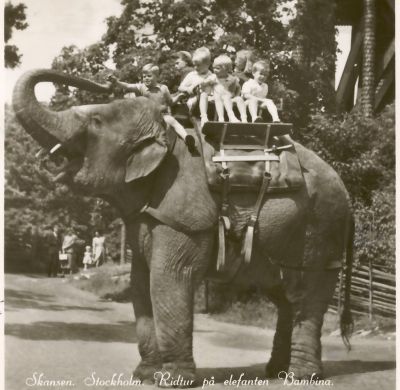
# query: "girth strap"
x,y
224,224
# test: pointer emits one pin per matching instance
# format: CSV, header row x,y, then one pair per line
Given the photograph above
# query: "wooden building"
x,y
350,13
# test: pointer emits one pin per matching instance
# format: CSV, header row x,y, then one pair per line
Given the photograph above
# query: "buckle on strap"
x,y
252,220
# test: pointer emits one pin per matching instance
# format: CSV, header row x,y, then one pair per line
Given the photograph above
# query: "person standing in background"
x,y
69,247
52,241
99,249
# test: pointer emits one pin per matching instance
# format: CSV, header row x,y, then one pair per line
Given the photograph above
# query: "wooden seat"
x,y
244,136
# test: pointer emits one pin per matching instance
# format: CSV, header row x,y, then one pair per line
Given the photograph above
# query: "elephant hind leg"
x,y
280,355
306,336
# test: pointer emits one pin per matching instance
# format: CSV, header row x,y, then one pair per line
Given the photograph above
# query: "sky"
x,y
54,24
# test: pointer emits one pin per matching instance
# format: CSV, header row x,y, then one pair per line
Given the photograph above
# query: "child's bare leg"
x,y
219,107
203,104
229,109
271,107
180,130
253,108
241,108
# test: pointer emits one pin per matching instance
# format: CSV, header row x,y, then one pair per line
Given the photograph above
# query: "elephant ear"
x,y
144,160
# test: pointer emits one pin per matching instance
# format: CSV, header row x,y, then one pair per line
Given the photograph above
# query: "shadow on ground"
x,y
19,299
331,369
122,331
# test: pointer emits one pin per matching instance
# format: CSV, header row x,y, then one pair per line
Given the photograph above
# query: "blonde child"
x,y
87,257
198,80
227,90
255,91
159,93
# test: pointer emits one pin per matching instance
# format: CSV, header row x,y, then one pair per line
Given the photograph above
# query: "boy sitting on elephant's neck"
x,y
160,94
197,85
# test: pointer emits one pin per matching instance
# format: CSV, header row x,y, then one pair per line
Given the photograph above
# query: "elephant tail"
x,y
346,318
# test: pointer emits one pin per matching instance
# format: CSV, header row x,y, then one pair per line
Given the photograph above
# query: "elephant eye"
x,y
96,120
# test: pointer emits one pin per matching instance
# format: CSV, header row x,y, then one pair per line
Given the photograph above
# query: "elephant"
x,y
122,152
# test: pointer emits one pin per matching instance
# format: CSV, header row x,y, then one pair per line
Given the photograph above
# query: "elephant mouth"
x,y
60,162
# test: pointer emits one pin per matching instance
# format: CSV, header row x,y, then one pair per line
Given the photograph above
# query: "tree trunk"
x,y
368,65
298,53
123,244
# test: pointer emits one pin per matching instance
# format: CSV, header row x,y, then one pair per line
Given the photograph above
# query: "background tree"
x,y
14,18
302,54
33,200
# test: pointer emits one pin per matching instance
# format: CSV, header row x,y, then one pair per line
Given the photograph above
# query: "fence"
x,y
373,291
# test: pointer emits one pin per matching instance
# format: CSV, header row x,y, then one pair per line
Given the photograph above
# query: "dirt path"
x,y
68,334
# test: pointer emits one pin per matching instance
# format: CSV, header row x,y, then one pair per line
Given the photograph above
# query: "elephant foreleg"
x,y
145,331
178,262
306,336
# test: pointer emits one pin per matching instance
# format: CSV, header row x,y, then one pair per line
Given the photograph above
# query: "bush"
x,y
361,150
375,229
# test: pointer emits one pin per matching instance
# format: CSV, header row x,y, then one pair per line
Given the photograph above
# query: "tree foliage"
x,y
154,30
14,18
33,200
302,55
362,151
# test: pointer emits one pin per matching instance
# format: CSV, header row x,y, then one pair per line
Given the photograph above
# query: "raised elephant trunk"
x,y
45,126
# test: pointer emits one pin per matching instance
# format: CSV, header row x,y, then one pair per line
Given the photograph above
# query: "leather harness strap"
x,y
248,240
224,223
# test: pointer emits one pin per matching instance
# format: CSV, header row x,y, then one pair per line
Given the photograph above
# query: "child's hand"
x,y
193,90
208,81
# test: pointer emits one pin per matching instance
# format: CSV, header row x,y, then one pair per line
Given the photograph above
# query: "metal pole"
x,y
370,268
206,294
370,290
123,244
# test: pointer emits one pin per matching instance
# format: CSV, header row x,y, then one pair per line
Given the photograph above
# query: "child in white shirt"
x,y
87,257
195,81
227,90
255,91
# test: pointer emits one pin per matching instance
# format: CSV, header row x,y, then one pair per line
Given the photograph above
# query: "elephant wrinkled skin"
x,y
119,151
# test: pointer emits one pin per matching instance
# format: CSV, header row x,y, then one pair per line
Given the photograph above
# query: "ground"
x,y
53,328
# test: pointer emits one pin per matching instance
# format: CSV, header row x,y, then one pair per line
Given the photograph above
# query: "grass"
x,y
112,282
109,281
260,312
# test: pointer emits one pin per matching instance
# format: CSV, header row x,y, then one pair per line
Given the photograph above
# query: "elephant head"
x,y
107,147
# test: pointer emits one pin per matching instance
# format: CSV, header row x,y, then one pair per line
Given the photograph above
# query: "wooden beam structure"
x,y
344,93
385,54
384,62
391,4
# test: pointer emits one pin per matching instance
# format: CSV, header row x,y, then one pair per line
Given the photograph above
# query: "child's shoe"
x,y
190,142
